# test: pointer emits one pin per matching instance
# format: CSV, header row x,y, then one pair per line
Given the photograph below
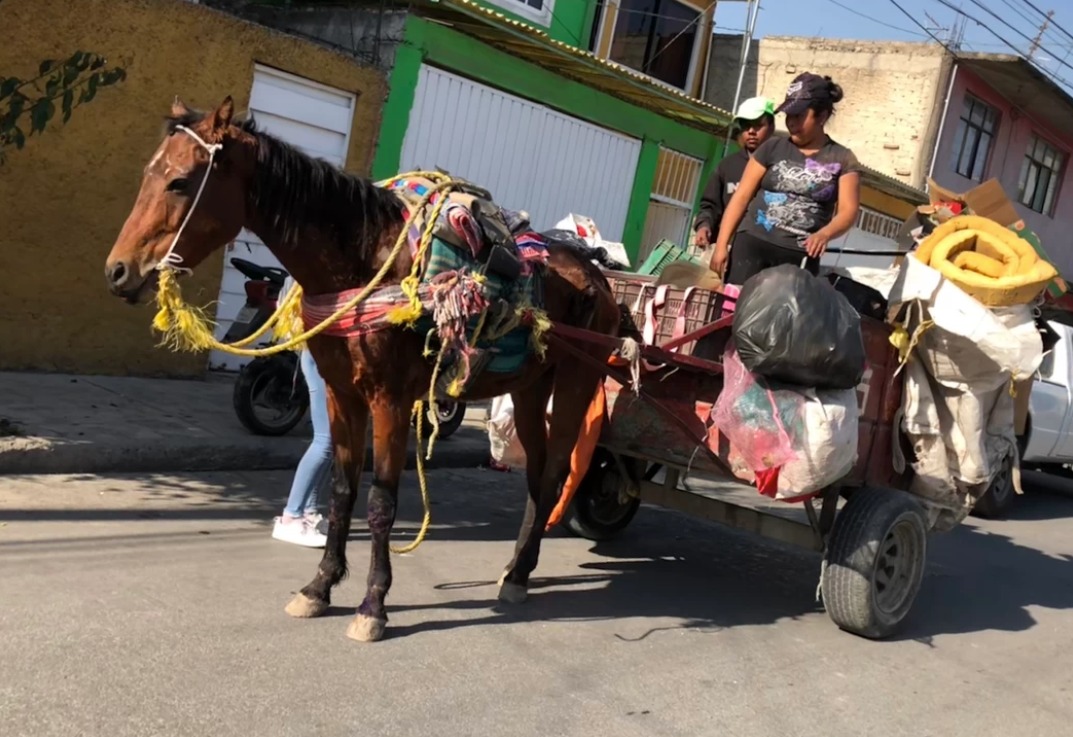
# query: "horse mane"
x,y
293,190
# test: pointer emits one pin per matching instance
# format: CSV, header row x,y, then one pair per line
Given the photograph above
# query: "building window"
x,y
670,206
1040,173
657,38
876,223
537,10
975,134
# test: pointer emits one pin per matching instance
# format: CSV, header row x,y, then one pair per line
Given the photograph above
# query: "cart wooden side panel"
x,y
639,429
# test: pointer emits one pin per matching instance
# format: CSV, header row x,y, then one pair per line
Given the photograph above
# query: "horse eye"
x,y
177,185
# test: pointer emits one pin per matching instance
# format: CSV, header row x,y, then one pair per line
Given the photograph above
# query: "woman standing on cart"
x,y
797,194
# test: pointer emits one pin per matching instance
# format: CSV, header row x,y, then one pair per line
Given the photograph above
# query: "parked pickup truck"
x,y
1048,435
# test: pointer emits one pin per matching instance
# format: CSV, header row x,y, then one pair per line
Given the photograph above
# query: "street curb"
x,y
39,456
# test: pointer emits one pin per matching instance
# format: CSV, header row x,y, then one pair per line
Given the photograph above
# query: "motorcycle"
x,y
275,383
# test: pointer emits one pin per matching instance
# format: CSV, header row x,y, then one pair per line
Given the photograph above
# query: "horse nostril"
x,y
117,274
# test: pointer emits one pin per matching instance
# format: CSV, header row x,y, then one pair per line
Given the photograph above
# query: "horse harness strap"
x,y
172,259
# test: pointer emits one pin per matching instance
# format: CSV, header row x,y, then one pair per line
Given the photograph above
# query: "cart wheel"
x,y
600,509
875,562
999,497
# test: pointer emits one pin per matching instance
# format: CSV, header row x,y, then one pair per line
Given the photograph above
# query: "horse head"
x,y
191,201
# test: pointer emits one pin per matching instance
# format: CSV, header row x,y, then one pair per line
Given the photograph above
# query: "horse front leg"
x,y
391,428
349,421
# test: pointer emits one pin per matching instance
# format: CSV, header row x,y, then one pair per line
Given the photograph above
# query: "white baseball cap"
x,y
755,108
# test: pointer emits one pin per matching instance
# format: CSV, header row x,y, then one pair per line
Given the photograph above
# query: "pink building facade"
x,y
1003,119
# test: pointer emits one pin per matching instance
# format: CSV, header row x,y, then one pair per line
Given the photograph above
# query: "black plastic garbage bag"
x,y
792,327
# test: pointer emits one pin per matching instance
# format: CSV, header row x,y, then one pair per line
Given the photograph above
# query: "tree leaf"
x,y
91,88
46,66
8,86
71,72
96,62
19,137
41,112
112,76
16,106
52,86
68,104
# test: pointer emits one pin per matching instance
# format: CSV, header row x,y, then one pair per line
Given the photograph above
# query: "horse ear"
x,y
179,108
222,117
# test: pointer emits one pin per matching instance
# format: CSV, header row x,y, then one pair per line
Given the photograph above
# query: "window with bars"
x,y
974,137
670,206
1041,172
876,223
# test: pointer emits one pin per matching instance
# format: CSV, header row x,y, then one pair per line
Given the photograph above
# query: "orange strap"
x,y
581,457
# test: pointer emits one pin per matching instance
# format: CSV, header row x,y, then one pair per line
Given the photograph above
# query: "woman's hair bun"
x,y
834,90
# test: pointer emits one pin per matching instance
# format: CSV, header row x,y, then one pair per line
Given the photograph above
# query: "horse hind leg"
x,y
530,409
574,391
391,429
348,437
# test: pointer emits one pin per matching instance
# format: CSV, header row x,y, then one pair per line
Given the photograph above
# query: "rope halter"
x,y
171,259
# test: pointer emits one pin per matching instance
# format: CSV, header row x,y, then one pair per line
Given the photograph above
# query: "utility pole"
x,y
1039,36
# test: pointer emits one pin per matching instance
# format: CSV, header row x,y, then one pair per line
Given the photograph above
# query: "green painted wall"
x,y
453,51
571,20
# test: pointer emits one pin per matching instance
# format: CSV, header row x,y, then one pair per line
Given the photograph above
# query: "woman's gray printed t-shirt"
x,y
798,193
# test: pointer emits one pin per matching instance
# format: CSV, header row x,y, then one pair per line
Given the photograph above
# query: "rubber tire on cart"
x,y
282,370
597,511
451,416
875,562
999,497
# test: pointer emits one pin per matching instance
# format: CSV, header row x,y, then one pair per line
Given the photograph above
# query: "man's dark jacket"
x,y
720,189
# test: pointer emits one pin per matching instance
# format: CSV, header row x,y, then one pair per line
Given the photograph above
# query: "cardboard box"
x,y
987,200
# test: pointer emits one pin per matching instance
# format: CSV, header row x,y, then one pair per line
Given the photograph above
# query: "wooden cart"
x,y
873,534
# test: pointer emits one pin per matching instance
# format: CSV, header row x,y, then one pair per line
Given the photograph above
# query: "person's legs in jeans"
x,y
315,469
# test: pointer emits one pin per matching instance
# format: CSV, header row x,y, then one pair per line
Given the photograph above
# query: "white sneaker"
x,y
298,531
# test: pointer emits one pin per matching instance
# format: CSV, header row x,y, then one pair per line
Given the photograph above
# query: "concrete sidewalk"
x,y
60,423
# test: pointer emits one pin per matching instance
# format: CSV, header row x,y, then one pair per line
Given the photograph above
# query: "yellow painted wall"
x,y
64,197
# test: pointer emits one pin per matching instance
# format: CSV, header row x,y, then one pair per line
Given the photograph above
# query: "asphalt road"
x,y
153,605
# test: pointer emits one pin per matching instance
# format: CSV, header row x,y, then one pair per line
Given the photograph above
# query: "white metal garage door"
x,y
311,116
528,156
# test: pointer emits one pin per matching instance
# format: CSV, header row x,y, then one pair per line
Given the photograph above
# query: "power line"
x,y
921,26
1000,19
1053,76
848,9
909,15
1057,25
1022,14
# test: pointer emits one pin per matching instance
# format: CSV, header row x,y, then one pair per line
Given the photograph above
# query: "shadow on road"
x,y
666,565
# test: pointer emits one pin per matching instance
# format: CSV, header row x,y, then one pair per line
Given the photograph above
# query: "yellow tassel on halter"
x,y
541,325
183,327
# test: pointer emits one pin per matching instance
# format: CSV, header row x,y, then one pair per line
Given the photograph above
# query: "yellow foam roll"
x,y
979,263
991,263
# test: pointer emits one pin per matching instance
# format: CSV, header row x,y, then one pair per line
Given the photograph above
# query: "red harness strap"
x,y
364,318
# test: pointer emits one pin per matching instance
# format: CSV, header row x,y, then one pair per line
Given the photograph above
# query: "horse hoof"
x,y
366,629
512,593
302,607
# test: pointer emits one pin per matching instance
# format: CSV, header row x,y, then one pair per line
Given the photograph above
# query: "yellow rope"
x,y
185,327
426,519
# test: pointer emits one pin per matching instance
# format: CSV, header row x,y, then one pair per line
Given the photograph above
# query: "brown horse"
x,y
333,231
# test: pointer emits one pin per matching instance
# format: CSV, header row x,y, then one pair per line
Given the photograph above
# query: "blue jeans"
x,y
314,471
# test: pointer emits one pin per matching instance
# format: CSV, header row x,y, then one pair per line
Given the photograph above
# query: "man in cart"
x,y
753,124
